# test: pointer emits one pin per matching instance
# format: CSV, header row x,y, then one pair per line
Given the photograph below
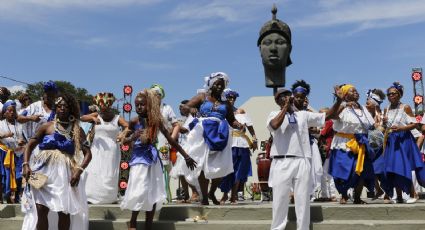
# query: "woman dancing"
x,y
146,187
210,140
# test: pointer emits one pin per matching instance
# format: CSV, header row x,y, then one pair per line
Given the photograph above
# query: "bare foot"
x,y
224,199
194,198
129,226
343,200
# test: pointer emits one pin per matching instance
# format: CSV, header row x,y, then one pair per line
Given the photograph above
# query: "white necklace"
x,y
61,130
395,115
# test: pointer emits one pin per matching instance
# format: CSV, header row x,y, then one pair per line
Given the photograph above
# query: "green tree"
x,y
36,90
16,94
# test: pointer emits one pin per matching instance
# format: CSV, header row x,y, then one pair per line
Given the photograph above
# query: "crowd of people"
x,y
53,158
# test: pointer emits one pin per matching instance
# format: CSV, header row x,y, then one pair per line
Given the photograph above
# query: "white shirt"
x,y
293,139
16,129
31,127
349,123
399,117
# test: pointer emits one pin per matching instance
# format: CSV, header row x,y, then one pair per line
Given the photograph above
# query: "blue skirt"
x,y
401,157
18,166
379,164
342,167
241,166
5,174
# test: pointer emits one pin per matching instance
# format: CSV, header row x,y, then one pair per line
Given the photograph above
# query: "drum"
x,y
263,166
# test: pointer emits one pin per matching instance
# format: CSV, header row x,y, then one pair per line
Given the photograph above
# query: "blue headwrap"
x,y
7,104
300,89
50,86
230,93
398,87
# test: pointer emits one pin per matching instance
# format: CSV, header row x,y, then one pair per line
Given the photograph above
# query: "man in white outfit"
x,y
291,155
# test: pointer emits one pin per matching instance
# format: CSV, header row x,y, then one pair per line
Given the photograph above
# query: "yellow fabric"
x,y
9,162
356,148
239,133
345,88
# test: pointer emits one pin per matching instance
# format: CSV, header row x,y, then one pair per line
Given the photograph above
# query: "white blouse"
x,y
351,121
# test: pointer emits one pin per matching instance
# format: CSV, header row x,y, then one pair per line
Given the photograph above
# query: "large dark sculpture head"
x,y
275,46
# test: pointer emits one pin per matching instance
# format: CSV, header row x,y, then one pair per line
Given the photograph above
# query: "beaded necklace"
x,y
61,130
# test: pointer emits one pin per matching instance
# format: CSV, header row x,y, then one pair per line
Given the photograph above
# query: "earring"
x,y
71,118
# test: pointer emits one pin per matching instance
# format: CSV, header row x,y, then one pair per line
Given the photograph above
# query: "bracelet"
x,y
25,163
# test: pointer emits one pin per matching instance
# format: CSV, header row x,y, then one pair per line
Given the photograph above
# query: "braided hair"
x,y
154,117
74,114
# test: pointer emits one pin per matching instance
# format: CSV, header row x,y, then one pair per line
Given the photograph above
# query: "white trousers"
x,y
327,185
284,174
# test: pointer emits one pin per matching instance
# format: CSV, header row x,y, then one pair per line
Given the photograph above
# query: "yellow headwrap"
x,y
345,88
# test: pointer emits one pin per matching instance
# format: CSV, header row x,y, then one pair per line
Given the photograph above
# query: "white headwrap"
x,y
209,80
374,98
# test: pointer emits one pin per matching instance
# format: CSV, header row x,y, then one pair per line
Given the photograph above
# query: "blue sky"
x,y
102,45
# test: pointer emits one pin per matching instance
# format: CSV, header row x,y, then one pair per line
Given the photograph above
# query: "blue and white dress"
x,y
342,161
6,145
146,186
210,144
401,155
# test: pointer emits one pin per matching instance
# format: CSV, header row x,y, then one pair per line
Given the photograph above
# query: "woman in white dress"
x,y
146,187
60,142
102,177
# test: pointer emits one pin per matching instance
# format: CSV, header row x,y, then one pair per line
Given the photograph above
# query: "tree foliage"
x,y
35,91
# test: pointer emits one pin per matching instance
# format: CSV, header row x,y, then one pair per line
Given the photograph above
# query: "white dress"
x,y
214,164
57,194
146,187
103,171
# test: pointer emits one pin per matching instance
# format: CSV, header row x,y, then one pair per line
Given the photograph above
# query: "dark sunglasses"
x,y
391,94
